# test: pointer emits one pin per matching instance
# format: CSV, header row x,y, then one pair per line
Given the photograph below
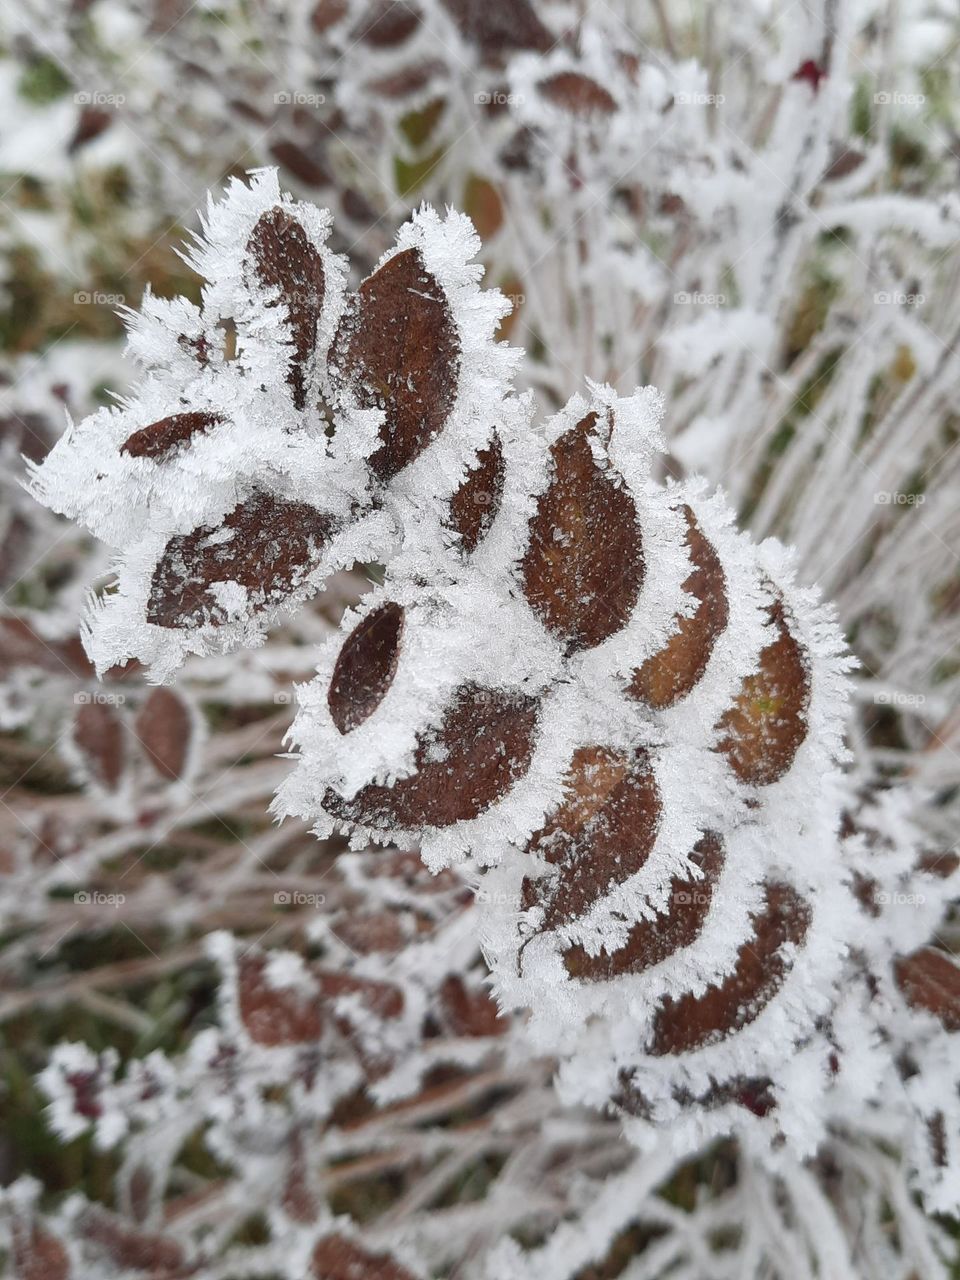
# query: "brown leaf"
x,y
583,567
276,1016
368,932
600,835
480,750
671,673
38,1255
160,438
577,94
483,206
22,646
327,13
91,122
386,23
690,1022
284,259
307,164
763,730
132,1249
474,506
929,979
365,667
98,735
397,349
164,728
499,27
337,1258
272,546
650,942
382,999
470,1011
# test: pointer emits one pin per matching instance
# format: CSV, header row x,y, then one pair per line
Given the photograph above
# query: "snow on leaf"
x,y
692,1021
335,1257
285,260
671,673
472,759
265,545
763,730
474,506
397,349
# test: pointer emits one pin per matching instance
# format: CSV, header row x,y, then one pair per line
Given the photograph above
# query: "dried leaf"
x,y
98,735
650,942
276,1016
470,1011
38,1255
577,94
164,728
386,24
482,204
284,259
671,673
159,439
480,750
600,836
397,349
132,1249
308,165
474,506
929,979
763,730
337,1258
365,667
266,545
583,567
690,1022
499,27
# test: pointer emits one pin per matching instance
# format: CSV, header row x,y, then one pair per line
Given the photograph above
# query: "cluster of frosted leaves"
x,y
624,713
303,1050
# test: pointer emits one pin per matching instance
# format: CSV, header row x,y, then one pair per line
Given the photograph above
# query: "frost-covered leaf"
x,y
583,568
474,506
929,979
366,666
160,438
263,550
397,349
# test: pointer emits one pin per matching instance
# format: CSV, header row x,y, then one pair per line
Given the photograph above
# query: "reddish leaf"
x,y
284,259
160,438
327,13
499,27
387,23
470,1012
690,1022
91,122
600,835
584,564
132,1249
164,728
480,750
365,667
371,931
309,166
38,1255
22,646
299,1199
930,979
276,1016
763,730
650,942
337,1258
671,673
397,349
271,546
843,162
382,999
474,506
99,737
577,94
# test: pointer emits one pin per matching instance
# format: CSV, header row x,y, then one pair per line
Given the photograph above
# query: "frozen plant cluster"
x,y
621,718
711,890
